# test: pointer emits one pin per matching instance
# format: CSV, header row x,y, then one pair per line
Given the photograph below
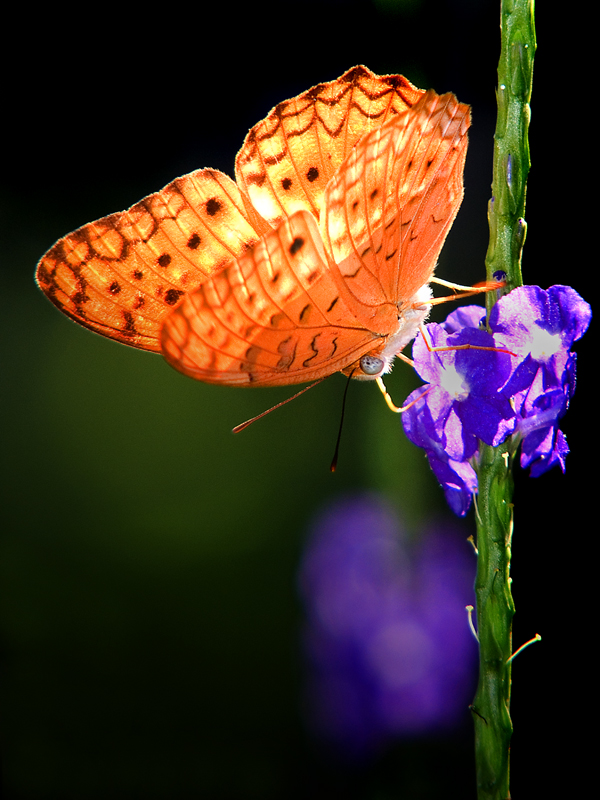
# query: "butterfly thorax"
x,y
378,361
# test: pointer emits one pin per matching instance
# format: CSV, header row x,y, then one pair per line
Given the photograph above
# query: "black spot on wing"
x,y
129,328
213,206
172,296
314,348
296,245
304,314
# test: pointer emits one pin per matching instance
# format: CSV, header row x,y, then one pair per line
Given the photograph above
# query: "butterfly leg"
x,y
433,349
467,347
390,403
466,291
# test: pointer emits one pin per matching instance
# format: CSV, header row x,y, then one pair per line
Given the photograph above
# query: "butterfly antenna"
x,y
334,460
248,422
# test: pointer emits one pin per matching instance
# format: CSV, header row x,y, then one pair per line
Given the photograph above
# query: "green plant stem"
x,y
495,607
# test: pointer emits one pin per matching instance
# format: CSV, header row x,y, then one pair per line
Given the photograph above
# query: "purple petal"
x,y
458,480
464,317
528,319
544,450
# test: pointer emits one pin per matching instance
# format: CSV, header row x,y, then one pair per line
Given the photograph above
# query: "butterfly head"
x,y
369,367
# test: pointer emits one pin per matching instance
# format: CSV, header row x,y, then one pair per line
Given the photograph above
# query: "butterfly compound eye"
x,y
371,365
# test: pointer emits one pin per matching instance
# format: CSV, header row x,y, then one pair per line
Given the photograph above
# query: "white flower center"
x,y
454,383
544,344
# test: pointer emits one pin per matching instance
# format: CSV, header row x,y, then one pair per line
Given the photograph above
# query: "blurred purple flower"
x,y
388,648
477,394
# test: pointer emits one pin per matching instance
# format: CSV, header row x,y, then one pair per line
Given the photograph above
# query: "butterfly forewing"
x,y
428,182
288,158
389,207
122,275
273,317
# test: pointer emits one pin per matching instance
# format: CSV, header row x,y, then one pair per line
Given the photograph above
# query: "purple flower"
x,y
540,327
455,474
387,645
466,384
478,394
543,324
463,403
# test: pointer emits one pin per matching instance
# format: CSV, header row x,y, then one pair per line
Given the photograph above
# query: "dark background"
x,y
149,611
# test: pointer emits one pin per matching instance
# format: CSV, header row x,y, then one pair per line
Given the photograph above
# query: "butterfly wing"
x,y
390,206
274,316
288,159
382,156
122,275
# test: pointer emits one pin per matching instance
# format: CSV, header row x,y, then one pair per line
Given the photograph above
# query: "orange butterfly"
x,y
317,260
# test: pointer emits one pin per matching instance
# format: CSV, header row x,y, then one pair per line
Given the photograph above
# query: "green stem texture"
x,y
495,607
